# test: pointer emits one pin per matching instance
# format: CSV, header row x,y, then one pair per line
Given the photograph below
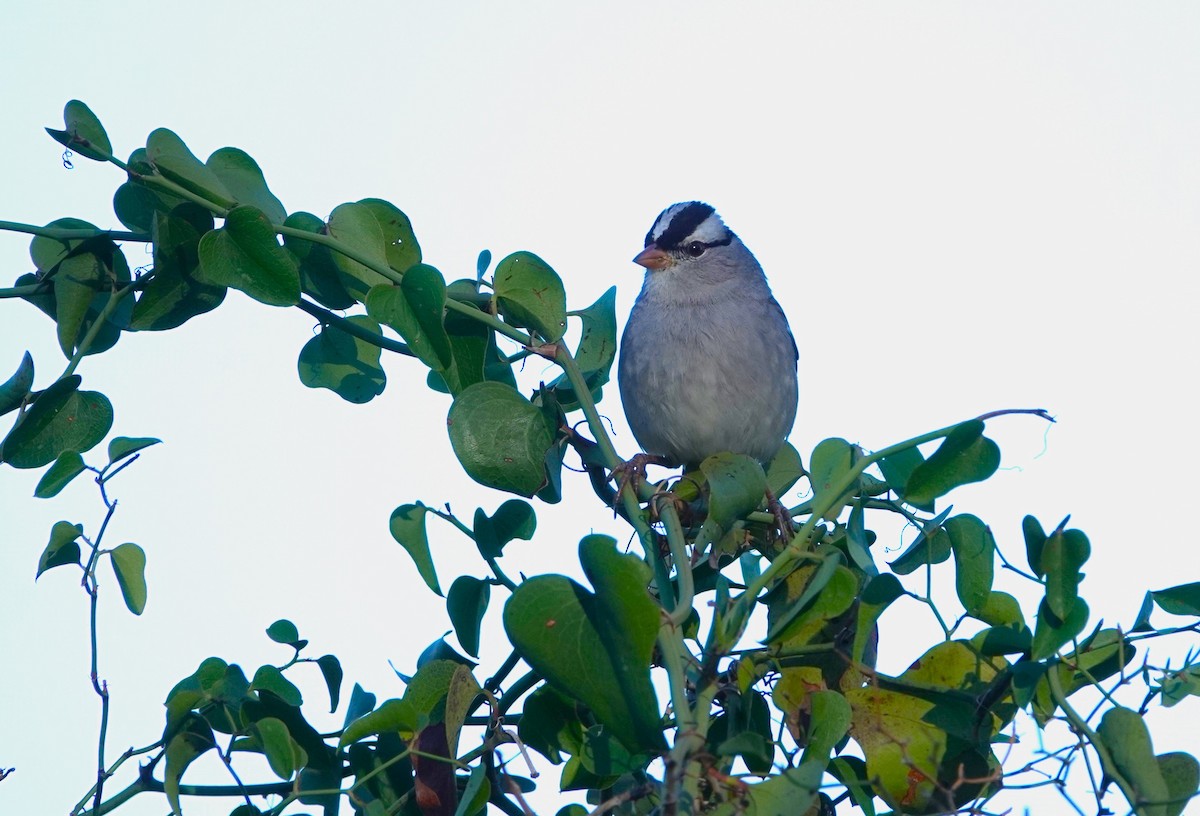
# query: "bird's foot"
x,y
783,519
633,473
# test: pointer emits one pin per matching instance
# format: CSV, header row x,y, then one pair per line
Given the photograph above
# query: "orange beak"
x,y
653,258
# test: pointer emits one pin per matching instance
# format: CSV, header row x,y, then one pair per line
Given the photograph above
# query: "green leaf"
x,y
187,742
346,365
281,751
964,456
475,796
167,153
500,438
400,243
1181,773
83,132
879,593
736,485
784,614
136,204
61,419
931,546
63,547
319,275
1000,609
415,310
1142,622
394,716
550,724
331,670
831,716
784,470
513,519
355,226
1053,632
1179,600
1124,734
897,469
244,254
244,180
595,648
407,525
174,295
269,678
122,446
788,793
83,284
831,460
851,772
65,468
529,293
974,551
17,387
284,631
1063,555
598,341
47,253
467,602
1035,540
129,563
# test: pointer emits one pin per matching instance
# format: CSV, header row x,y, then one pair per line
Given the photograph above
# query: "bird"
x,y
708,361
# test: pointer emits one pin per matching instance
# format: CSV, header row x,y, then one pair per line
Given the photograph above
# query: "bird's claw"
x,y
632,473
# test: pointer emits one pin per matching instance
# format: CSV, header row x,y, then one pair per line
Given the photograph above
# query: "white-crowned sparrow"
x,y
708,362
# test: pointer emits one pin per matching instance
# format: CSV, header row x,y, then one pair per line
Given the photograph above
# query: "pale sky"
x,y
961,207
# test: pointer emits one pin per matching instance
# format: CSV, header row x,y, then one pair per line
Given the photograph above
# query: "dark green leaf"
x,y
1035,540
174,295
136,204
63,547
408,527
361,702
851,772
965,456
269,678
17,387
466,603
415,310
282,753
244,254
129,563
355,226
244,180
595,648
598,341
83,132
331,670
283,631
1181,773
65,468
550,724
62,419
879,593
931,546
167,153
736,485
1142,622
475,796
344,364
897,469
784,470
188,740
1124,734
831,461
1053,632
500,438
819,580
121,446
319,275
974,551
47,253
1063,555
529,293
1179,600
513,519
400,243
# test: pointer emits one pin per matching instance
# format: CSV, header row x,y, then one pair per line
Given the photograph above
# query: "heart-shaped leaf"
x,y
244,180
65,468
17,387
964,456
61,419
346,365
595,648
529,293
243,254
500,438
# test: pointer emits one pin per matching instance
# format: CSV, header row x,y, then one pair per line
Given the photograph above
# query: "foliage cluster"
x,y
798,722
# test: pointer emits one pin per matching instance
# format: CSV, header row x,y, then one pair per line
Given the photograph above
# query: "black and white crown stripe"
x,y
688,222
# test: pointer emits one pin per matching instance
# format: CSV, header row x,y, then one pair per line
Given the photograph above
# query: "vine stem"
x,y
1080,725
92,587
114,301
70,234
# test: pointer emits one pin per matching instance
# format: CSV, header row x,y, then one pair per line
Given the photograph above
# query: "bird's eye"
x,y
695,249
